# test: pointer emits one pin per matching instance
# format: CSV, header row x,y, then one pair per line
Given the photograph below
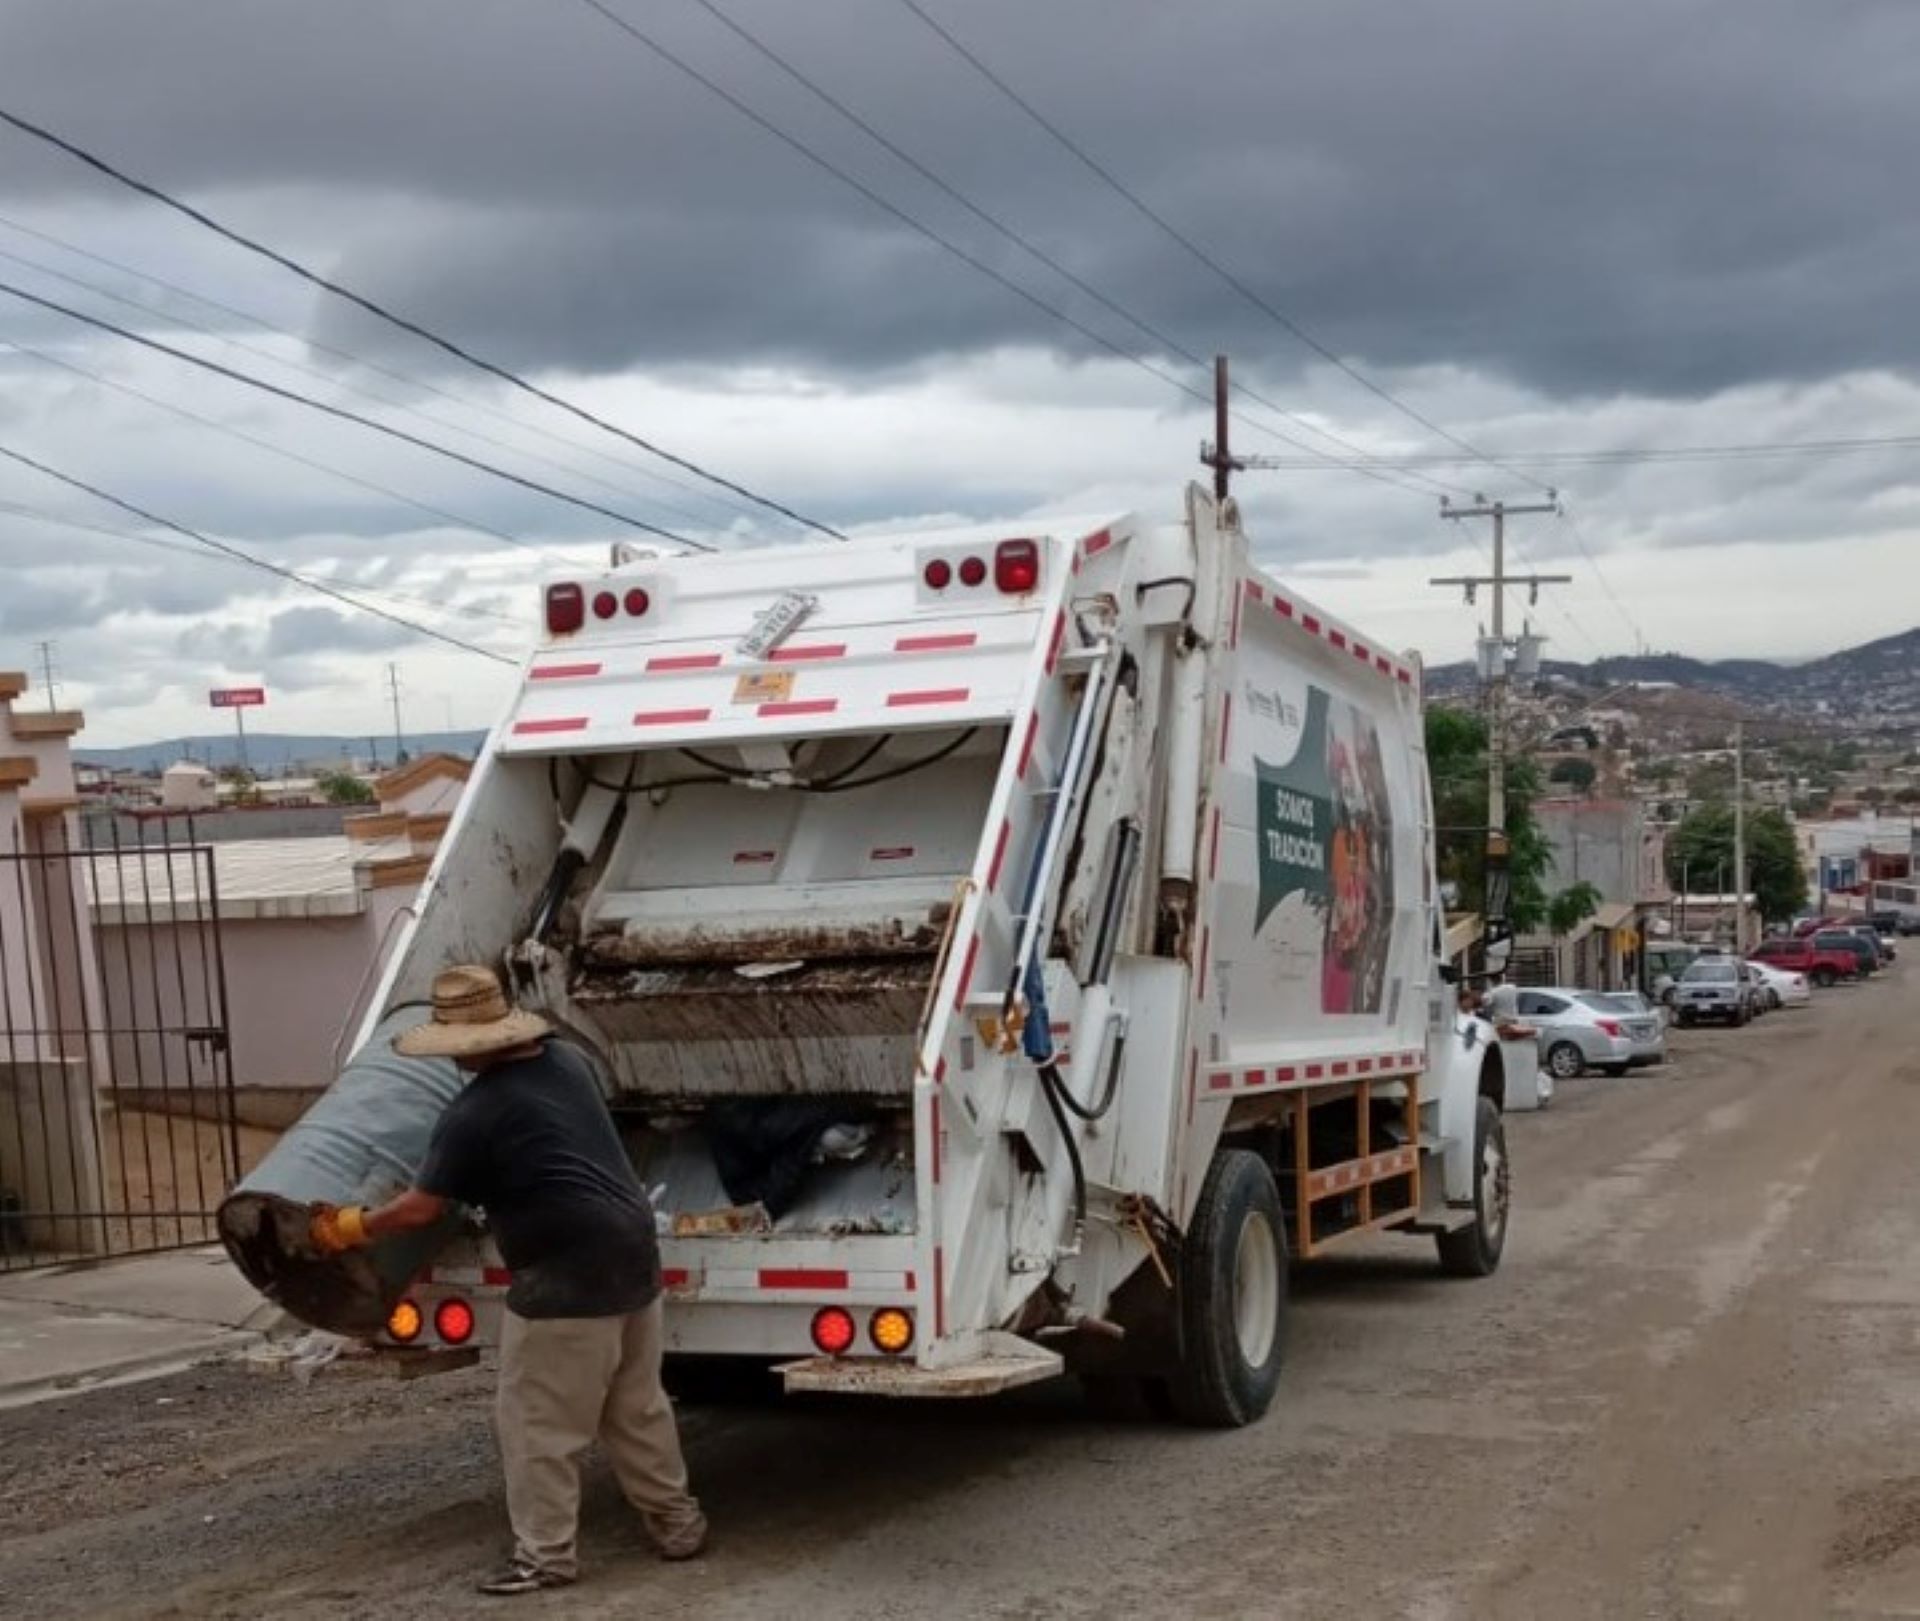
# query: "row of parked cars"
x,y
1614,1031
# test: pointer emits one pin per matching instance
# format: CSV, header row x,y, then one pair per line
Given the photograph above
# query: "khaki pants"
x,y
564,1381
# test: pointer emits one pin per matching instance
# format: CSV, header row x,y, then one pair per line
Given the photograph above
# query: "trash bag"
x,y
764,1149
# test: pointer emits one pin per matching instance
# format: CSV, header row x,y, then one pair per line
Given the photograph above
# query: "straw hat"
x,y
471,1016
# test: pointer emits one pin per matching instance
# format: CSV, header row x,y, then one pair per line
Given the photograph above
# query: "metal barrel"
x,y
360,1143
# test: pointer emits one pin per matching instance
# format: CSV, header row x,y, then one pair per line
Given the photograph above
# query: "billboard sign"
x,y
237,697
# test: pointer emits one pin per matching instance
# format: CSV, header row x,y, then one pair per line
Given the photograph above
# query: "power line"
x,y
403,323
344,415
245,556
348,357
267,445
1260,303
920,228
1010,234
1627,456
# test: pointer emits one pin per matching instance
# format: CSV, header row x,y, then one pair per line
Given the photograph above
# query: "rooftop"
x,y
252,879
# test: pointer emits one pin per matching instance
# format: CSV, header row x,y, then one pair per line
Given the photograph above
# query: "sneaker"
x,y
687,1542
521,1577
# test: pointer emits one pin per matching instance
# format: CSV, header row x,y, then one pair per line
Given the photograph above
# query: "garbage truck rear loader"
x,y
1006,949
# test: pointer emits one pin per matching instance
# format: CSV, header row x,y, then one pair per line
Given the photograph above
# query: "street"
x,y
1691,1390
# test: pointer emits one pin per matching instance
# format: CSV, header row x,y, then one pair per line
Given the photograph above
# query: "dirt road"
x,y
1693,1390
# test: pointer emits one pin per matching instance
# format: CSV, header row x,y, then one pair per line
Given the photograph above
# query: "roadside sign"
x,y
237,697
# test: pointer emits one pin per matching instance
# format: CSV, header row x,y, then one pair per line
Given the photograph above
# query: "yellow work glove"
x,y
336,1229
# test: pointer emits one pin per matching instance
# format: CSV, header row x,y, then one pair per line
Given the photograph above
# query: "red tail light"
x,y
605,605
1016,566
566,609
453,1322
833,1330
638,602
973,570
1609,1026
938,574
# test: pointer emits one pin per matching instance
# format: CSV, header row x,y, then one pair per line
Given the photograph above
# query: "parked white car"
x,y
1782,987
1644,1021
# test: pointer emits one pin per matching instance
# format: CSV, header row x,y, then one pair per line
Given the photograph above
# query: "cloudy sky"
x,y
1549,232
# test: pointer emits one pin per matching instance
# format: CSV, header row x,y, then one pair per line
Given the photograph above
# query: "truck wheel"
x,y
1474,1252
1823,977
1233,1296
1564,1059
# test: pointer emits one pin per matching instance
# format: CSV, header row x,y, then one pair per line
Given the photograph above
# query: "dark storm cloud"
x,y
1639,197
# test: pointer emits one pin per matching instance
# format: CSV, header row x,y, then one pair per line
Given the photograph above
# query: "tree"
x,y
1457,763
342,788
1572,907
1579,774
1700,858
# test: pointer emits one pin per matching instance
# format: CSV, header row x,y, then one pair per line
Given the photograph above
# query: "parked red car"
x,y
1821,964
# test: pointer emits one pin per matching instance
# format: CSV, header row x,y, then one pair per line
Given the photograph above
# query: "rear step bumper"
x,y
1008,1362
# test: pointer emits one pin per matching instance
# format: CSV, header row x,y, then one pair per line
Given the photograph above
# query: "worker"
x,y
530,1141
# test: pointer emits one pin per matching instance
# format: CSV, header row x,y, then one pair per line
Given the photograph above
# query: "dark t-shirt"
x,y
532,1144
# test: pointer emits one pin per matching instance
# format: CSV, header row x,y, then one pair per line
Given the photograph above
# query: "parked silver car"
x,y
1645,1023
1578,1031
1720,988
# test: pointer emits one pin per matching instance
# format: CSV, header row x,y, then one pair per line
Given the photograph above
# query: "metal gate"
x,y
118,1128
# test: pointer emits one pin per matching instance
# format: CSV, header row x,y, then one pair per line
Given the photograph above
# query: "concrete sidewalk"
x,y
71,1328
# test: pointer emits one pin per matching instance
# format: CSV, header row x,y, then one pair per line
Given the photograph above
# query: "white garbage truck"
x,y
1007,951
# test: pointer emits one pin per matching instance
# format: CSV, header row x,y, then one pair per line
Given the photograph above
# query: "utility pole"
x,y
46,674
399,741
1216,454
1493,669
1739,842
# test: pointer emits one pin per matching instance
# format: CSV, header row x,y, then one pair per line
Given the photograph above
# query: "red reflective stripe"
x,y
1336,637
1340,1068
1256,1077
685,661
966,971
673,1277
802,1277
940,1072
939,1294
1053,646
1233,635
1220,1081
999,854
670,717
1360,652
1308,622
933,1130
1213,845
819,650
1226,723
496,1277
1193,1073
799,706
1285,1073
573,723
1362,1065
1026,748
1315,1071
1283,607
935,644
935,695
1205,940
561,672
1256,590
1405,677
1383,664
1097,543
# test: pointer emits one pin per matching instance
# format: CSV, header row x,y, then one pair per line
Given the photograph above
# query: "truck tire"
x,y
1823,977
1474,1251
1233,1296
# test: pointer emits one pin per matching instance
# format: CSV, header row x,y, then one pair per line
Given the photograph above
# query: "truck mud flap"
x,y
1019,1363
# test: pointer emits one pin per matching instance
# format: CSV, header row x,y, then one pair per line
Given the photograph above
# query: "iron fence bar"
x,y
19,1099
154,974
223,1052
53,944
166,1069
106,1037
135,1045
30,956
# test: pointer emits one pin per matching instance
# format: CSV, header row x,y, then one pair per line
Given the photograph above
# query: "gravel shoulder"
x,y
1690,1391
